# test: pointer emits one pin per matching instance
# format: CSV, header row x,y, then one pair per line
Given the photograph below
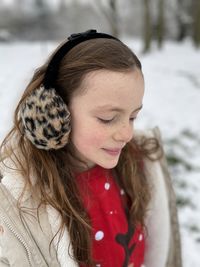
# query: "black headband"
x,y
73,40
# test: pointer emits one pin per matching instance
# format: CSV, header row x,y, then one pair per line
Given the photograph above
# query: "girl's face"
x,y
103,115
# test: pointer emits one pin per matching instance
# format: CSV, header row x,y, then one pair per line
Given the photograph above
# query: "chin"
x,y
108,165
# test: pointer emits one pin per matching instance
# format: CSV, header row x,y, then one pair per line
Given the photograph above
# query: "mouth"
x,y
113,152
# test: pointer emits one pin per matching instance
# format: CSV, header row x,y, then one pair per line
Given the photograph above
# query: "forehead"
x,y
111,88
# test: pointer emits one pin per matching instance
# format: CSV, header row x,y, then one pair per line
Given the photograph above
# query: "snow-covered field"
x,y
172,101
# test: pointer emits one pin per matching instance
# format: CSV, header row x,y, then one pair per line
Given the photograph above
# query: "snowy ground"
x,y
172,102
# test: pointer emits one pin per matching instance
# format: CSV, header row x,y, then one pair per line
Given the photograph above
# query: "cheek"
x,y
88,135
93,138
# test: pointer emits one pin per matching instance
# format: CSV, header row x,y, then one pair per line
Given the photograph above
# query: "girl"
x,y
76,184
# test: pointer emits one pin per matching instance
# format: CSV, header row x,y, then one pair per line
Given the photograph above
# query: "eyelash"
x,y
105,121
110,121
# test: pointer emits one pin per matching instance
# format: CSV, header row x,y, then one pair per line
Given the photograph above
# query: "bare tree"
x,y
114,17
196,22
147,31
62,5
160,23
180,22
41,7
18,6
111,14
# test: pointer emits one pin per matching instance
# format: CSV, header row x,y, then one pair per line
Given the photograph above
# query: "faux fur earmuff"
x,y
46,119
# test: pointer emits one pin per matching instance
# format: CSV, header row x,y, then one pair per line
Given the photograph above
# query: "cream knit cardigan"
x,y
157,219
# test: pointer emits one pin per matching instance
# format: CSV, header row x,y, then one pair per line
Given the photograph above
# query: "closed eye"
x,y
111,120
105,121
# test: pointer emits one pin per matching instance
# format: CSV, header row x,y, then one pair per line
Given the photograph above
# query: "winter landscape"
x,y
172,102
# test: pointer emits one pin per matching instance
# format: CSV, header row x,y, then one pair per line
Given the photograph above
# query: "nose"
x,y
124,133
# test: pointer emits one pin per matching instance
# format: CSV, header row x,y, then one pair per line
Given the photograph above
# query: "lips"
x,y
113,152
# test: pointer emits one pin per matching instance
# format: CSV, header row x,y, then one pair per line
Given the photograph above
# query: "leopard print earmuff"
x,y
45,116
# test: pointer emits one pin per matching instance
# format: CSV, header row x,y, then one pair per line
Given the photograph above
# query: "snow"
x,y
172,100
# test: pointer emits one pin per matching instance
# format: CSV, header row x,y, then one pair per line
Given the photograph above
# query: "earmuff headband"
x,y
45,116
73,40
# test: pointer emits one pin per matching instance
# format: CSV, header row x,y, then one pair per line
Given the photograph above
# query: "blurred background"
x,y
165,34
53,19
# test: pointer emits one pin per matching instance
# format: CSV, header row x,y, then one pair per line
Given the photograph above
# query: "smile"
x,y
112,152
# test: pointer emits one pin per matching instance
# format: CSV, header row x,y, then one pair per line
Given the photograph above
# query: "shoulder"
x,y
18,221
163,237
16,224
12,180
9,229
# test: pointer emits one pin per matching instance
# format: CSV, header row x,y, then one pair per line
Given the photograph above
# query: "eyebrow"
x,y
117,109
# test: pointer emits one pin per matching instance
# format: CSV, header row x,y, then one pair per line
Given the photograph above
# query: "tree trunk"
x,y
196,22
182,28
114,18
147,31
160,23
111,15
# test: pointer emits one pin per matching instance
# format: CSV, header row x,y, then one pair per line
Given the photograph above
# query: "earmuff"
x,y
45,116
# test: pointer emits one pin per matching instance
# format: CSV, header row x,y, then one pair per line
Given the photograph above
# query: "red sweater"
x,y
115,243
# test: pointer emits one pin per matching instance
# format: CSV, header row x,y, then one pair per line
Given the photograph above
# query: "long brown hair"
x,y
54,170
